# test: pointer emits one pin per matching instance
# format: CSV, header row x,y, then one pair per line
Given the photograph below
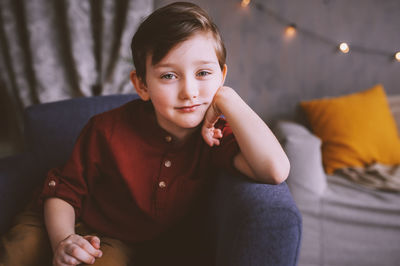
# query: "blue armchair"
x,y
250,223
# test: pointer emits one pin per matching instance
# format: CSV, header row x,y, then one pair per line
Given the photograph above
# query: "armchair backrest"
x,y
51,129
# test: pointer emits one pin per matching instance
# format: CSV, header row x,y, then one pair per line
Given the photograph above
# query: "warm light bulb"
x,y
290,30
397,56
245,3
344,47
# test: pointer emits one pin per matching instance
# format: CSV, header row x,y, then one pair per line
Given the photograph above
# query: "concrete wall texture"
x,y
273,73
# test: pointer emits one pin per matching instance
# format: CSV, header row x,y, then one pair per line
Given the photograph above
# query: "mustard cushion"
x,y
356,129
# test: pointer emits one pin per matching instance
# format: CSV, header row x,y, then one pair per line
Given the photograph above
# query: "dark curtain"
x,y
58,49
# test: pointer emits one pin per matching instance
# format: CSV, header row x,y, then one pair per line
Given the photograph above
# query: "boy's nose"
x,y
189,89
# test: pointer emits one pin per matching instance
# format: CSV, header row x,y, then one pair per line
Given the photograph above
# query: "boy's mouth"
x,y
188,109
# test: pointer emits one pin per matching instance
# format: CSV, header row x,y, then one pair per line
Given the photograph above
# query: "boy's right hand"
x,y
76,249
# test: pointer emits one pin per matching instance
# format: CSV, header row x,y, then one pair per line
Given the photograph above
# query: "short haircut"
x,y
167,27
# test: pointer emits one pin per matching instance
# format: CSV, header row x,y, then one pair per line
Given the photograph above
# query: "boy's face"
x,y
182,85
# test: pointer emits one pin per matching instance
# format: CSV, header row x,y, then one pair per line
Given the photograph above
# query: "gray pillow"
x,y
304,152
394,102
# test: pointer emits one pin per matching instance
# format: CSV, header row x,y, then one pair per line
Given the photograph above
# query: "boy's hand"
x,y
212,135
76,249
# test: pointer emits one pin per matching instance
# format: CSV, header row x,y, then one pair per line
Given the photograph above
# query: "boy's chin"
x,y
191,124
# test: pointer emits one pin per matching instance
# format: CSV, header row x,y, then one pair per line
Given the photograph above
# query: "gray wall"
x,y
273,74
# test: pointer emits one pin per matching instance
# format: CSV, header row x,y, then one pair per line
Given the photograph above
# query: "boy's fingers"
x,y
218,133
211,135
210,141
80,254
84,243
94,240
68,260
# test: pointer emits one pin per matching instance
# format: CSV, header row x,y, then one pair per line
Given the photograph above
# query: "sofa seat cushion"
x,y
349,225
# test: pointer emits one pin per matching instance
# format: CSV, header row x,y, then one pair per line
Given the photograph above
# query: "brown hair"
x,y
167,27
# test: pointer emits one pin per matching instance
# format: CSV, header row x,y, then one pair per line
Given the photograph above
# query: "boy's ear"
x,y
224,72
140,87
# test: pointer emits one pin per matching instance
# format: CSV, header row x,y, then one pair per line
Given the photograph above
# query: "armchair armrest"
x,y
18,176
304,151
256,224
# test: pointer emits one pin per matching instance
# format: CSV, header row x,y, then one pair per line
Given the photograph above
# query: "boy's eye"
x,y
203,73
168,76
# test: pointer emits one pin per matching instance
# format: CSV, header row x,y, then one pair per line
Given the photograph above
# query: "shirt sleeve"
x,y
69,182
224,154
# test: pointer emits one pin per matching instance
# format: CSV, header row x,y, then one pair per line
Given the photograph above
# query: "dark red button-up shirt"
x,y
128,178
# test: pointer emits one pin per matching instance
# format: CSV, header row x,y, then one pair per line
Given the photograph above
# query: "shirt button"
x,y
168,138
52,183
162,184
167,163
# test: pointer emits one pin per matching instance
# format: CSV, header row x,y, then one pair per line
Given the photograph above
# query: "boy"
x,y
137,170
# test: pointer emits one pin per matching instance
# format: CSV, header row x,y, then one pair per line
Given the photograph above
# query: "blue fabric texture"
x,y
256,224
52,128
18,175
250,223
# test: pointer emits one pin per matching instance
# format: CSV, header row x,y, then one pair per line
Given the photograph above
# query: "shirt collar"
x,y
154,133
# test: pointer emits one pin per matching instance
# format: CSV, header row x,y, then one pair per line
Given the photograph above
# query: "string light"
x,y
344,48
397,56
291,30
245,3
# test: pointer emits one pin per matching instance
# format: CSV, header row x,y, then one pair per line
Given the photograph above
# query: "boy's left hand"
x,y
211,135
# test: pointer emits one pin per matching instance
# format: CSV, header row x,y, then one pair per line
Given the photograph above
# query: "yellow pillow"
x,y
356,129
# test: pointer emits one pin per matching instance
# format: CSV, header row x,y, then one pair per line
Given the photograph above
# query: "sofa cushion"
x,y
304,151
356,129
51,129
394,102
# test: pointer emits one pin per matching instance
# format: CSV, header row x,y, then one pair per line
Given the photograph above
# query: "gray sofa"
x,y
343,223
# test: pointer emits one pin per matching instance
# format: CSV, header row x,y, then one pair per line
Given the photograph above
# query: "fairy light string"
x,y
292,29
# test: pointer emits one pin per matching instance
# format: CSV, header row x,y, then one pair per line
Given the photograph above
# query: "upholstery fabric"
x,y
394,102
18,175
251,231
62,121
300,143
345,223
